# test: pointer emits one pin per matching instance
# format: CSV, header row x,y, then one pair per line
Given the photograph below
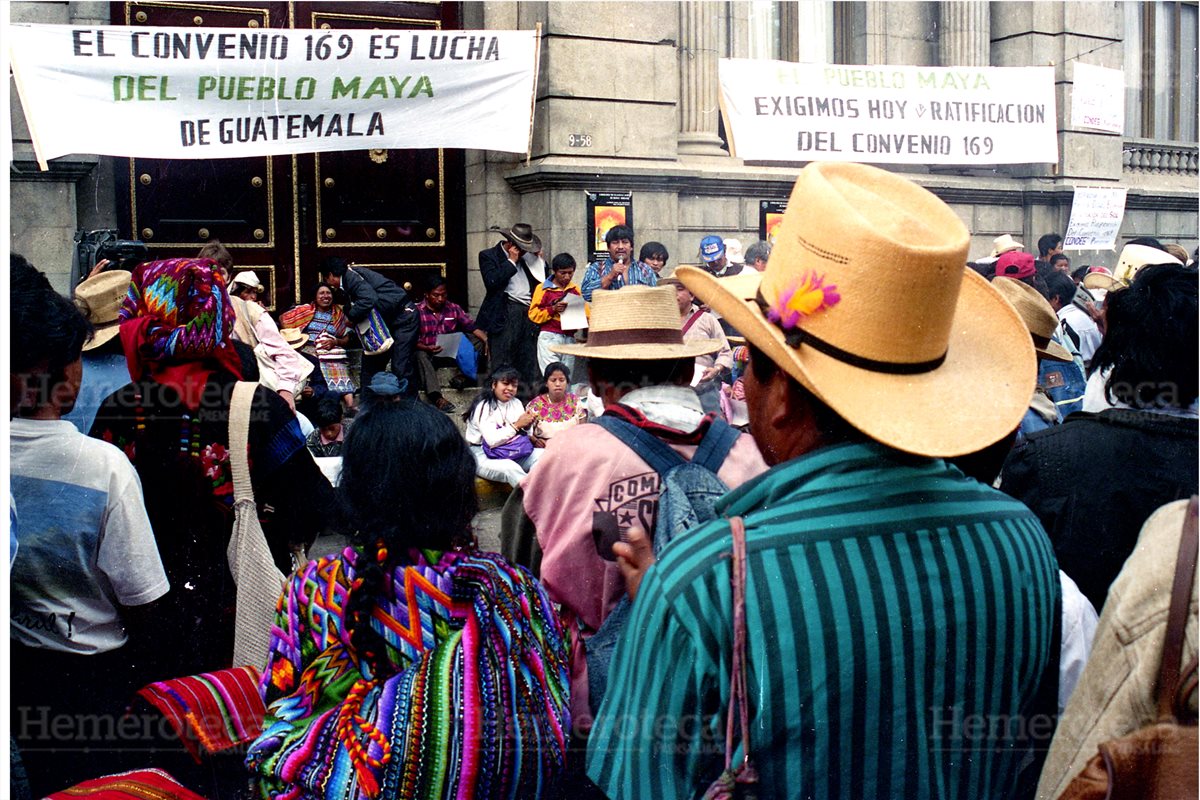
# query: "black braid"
x,y
366,641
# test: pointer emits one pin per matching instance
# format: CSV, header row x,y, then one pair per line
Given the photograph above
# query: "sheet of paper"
x,y
449,343
573,318
697,374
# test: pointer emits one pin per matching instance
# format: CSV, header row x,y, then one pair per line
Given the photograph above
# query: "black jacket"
x,y
1094,481
367,289
497,271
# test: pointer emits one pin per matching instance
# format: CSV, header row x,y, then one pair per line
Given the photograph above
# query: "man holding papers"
x,y
441,322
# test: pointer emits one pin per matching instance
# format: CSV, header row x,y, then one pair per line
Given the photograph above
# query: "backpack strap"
x,y
693,319
1181,594
648,447
718,440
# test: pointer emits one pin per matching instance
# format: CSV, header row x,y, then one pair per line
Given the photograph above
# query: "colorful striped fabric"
x,y
213,711
140,784
473,702
901,622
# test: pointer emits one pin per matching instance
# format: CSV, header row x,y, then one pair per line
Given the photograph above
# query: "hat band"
x,y
625,336
799,336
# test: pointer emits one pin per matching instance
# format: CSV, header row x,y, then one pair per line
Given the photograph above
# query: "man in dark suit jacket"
x,y
504,313
366,290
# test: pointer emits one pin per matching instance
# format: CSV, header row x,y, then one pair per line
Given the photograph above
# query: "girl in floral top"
x,y
559,408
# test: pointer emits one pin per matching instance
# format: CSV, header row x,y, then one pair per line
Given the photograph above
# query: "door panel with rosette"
x,y
400,212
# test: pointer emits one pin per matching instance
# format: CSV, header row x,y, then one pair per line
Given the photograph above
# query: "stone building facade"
x,y
637,82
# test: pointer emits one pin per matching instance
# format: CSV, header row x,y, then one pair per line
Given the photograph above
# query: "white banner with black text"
x,y
783,111
231,93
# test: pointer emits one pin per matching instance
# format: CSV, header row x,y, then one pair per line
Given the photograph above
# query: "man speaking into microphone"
x,y
619,269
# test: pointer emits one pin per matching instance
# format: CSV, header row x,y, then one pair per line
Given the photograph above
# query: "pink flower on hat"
x,y
806,295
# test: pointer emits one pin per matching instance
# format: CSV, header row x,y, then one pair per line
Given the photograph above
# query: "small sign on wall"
x,y
1096,214
1098,98
770,216
605,210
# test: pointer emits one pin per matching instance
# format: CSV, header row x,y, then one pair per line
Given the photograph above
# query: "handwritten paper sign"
x,y
1096,215
232,92
1098,98
574,317
782,111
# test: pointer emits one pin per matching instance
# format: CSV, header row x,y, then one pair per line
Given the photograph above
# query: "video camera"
x,y
93,246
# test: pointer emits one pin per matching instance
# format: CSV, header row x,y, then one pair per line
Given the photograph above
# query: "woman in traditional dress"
x,y
172,422
328,335
558,408
411,664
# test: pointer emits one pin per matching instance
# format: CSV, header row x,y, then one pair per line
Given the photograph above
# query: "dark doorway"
x,y
400,212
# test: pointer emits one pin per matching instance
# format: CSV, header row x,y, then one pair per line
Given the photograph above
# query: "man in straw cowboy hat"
x,y
640,365
104,370
881,582
510,280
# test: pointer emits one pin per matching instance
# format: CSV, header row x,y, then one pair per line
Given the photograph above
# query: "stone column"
x,y
699,32
966,33
876,32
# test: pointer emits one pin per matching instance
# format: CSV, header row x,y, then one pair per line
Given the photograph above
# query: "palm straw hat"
x,y
1039,317
295,337
867,302
1135,256
1005,243
99,298
637,322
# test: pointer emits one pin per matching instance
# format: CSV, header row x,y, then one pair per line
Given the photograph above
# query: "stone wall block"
x,y
633,22
619,71
629,130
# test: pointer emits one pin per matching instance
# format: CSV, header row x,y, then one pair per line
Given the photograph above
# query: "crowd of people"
x,y
844,516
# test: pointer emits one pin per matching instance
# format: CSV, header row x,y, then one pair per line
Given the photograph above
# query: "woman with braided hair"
x,y
411,664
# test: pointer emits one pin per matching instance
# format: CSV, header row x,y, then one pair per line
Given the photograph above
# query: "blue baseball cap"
x,y
711,248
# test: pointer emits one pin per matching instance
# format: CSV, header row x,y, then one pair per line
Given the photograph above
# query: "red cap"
x,y
1015,264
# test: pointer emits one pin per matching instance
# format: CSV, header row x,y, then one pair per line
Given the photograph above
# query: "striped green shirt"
x,y
900,616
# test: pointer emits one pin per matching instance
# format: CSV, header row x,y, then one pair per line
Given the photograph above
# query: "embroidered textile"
x,y
213,711
475,704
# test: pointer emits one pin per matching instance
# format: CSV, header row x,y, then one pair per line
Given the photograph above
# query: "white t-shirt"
x,y
1084,327
518,285
494,424
86,546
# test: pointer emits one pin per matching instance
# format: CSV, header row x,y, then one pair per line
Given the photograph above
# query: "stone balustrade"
x,y
1159,158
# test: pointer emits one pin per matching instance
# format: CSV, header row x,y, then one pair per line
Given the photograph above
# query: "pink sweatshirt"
x,y
586,469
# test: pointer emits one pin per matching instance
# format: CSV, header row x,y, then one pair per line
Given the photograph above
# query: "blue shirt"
x,y
638,275
892,604
102,375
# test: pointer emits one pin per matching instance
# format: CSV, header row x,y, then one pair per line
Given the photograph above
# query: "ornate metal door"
x,y
400,212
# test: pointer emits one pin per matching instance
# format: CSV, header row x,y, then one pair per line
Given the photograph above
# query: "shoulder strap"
x,y
716,444
739,694
1181,595
649,448
239,439
693,319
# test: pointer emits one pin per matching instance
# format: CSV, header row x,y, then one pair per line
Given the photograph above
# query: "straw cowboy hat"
x,y
99,298
1004,243
1136,256
1099,279
867,302
294,337
1039,317
248,279
522,236
637,322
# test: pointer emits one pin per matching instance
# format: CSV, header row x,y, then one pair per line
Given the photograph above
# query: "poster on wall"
x,y
770,217
1098,98
783,111
604,210
1096,214
230,92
